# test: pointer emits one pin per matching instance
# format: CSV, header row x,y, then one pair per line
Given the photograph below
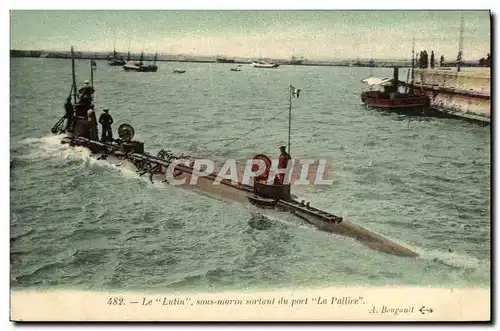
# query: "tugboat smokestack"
x,y
396,74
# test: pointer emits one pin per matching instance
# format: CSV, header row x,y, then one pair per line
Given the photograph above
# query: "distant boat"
x,y
264,64
140,66
235,69
224,60
296,61
178,71
115,60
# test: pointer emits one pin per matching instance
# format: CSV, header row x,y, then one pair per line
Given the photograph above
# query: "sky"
x,y
314,35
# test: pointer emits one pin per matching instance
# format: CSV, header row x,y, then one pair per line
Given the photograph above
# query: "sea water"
x,y
81,223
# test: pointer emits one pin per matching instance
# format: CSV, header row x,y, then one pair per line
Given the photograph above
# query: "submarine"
x,y
259,192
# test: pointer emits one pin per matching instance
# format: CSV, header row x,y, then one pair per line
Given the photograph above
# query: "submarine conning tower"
x,y
125,132
80,121
266,190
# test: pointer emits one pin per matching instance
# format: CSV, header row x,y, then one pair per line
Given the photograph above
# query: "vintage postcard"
x,y
250,165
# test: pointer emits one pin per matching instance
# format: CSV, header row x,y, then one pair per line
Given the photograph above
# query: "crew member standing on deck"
x,y
282,164
86,93
106,120
92,124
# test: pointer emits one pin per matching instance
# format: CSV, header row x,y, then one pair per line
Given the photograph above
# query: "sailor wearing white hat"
x,y
86,93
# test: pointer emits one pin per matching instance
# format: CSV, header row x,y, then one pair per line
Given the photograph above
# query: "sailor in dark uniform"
x,y
106,120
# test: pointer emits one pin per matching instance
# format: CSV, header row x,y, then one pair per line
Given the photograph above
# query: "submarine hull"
x,y
227,190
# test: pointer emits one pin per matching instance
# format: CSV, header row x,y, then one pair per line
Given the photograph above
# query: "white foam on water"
x,y
124,167
47,147
31,140
51,146
49,140
454,259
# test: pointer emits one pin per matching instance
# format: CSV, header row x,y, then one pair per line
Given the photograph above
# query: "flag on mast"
x,y
295,91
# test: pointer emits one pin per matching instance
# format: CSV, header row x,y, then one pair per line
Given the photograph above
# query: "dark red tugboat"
x,y
392,97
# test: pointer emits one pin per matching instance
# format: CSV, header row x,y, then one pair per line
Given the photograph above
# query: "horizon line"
x,y
225,56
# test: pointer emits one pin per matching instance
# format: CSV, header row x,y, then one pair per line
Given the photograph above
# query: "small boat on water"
x,y
140,66
262,193
115,59
235,69
264,64
115,62
178,71
296,61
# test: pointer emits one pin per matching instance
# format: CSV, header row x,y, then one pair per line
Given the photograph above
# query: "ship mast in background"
x,y
410,73
460,42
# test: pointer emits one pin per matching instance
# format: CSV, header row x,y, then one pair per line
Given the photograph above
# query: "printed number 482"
x,y
115,301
